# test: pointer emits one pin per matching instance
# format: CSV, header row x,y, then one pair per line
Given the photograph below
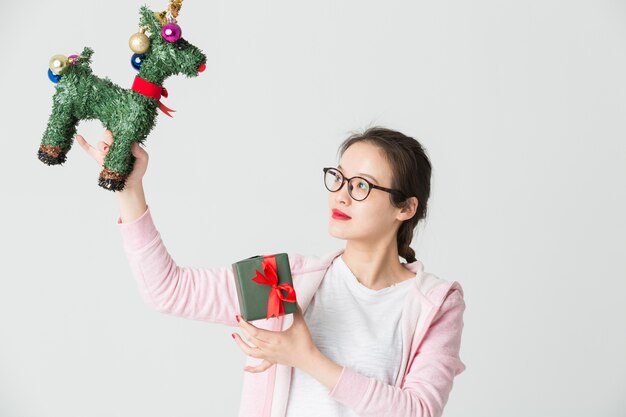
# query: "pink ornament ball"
x,y
171,32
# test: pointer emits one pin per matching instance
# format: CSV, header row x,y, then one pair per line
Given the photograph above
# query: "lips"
x,y
338,214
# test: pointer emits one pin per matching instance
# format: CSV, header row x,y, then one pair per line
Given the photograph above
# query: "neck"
x,y
148,72
375,265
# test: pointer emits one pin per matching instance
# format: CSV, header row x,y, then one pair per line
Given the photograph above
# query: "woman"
x,y
371,336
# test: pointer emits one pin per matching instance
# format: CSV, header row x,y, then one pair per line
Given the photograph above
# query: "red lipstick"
x,y
339,215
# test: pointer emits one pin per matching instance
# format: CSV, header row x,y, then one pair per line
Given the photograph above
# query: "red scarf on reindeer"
x,y
152,90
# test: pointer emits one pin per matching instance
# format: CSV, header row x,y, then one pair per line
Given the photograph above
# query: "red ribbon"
x,y
270,277
152,90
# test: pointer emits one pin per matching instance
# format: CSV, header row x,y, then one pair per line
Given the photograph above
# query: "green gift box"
x,y
264,286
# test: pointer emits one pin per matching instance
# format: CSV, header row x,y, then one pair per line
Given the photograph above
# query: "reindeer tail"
x,y
85,56
82,64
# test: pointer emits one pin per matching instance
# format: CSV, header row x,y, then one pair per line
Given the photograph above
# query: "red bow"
x,y
274,306
152,90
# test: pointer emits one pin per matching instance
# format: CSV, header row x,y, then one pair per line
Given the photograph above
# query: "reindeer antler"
x,y
174,8
171,13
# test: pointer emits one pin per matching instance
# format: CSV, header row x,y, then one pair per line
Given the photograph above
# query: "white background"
x,y
519,104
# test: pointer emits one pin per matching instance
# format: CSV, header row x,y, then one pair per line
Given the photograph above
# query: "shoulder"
x,y
303,264
435,289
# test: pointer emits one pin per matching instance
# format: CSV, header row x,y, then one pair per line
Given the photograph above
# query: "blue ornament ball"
x,y
136,60
53,77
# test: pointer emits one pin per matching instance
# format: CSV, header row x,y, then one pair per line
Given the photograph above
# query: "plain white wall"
x,y
520,105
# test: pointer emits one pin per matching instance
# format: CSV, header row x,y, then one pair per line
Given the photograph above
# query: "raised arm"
x,y
207,294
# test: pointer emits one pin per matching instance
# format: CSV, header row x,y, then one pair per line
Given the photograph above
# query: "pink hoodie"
x,y
432,323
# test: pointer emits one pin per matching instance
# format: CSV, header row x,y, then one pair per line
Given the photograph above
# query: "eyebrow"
x,y
362,174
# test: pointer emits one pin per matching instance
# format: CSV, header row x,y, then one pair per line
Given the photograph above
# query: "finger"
x,y
250,351
255,341
262,367
87,147
108,137
103,146
138,151
252,330
82,142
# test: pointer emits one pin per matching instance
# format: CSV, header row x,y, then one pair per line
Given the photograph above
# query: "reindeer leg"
x,y
118,164
57,139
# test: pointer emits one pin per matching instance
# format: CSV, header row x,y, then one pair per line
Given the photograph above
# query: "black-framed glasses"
x,y
358,187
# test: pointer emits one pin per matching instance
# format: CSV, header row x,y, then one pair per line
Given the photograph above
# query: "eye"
x,y
363,185
181,44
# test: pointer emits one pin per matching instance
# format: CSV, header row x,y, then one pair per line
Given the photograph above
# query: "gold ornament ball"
x,y
139,43
58,63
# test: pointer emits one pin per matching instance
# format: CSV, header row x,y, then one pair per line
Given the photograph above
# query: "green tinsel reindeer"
x,y
130,114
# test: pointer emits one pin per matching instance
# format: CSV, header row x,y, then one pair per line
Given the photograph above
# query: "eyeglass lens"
x,y
357,187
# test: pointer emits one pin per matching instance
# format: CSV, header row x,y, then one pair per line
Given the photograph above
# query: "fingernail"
x,y
233,335
237,317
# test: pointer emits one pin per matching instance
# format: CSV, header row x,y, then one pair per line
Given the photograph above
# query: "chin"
x,y
337,232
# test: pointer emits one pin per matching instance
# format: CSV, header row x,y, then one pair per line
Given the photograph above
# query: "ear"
x,y
149,21
409,209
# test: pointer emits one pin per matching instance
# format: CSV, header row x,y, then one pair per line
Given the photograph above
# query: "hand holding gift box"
x,y
261,282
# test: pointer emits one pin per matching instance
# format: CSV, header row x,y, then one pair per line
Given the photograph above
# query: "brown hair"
x,y
411,170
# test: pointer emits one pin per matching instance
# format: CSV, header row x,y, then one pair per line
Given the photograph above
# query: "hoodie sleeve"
x,y
428,382
207,294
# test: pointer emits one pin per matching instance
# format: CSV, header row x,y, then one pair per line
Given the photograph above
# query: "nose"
x,y
201,67
342,195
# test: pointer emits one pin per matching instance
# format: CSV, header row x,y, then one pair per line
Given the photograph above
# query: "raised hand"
x,y
99,153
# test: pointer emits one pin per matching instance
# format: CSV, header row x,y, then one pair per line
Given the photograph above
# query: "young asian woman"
x,y
371,336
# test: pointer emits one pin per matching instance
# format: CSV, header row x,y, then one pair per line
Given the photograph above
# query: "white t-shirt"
x,y
353,326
